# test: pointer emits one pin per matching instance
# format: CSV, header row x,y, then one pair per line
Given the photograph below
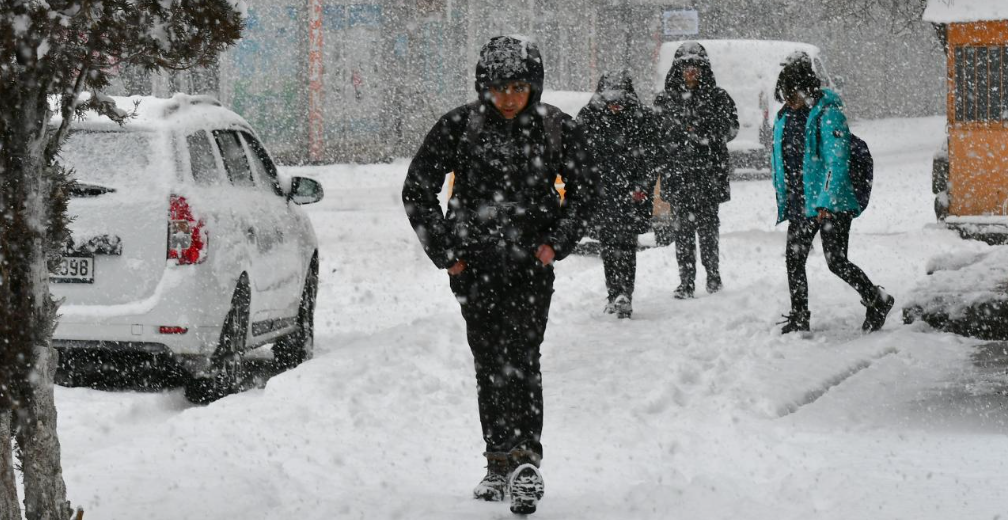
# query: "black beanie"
x,y
510,58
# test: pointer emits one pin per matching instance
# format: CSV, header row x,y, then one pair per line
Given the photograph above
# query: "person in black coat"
x,y
615,123
696,120
505,226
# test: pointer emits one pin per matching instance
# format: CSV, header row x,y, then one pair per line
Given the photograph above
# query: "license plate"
x,y
74,269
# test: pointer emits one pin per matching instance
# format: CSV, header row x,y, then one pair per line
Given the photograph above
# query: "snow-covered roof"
x,y
953,11
153,113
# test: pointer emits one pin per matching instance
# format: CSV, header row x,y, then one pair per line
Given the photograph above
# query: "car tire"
x,y
227,366
941,206
299,346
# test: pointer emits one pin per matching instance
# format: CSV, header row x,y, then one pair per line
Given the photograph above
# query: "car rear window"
x,y
110,159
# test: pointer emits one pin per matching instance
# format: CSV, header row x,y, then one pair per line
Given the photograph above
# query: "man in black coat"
x,y
696,120
615,125
504,228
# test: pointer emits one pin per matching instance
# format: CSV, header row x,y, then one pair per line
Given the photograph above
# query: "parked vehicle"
x,y
188,248
970,172
748,70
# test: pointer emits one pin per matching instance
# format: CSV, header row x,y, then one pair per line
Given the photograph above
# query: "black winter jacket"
x,y
619,146
503,192
694,127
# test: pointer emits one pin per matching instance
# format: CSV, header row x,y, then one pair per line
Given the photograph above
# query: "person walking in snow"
x,y
615,123
505,227
696,120
810,163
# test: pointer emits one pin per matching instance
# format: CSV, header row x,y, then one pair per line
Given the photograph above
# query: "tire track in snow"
x,y
813,395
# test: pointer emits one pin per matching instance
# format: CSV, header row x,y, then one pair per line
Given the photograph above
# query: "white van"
x,y
747,70
186,244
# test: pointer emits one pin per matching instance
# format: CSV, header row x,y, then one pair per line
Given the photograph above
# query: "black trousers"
x,y
691,223
619,260
835,233
505,302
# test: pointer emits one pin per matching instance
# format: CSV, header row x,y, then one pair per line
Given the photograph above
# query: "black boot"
x,y
526,482
683,292
797,321
877,310
494,485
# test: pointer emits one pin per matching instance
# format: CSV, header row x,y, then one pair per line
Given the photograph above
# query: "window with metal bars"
x,y
981,76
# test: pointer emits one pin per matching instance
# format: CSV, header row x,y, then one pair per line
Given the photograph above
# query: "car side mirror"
x,y
305,191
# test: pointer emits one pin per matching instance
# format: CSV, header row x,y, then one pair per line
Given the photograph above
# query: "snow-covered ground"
x,y
693,409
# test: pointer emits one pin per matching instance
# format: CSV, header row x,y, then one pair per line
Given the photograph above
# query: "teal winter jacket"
x,y
826,163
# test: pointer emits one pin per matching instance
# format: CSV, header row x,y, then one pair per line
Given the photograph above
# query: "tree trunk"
x,y
27,311
9,508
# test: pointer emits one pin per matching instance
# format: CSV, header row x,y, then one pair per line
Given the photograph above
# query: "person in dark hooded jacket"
x,y
696,120
505,226
615,123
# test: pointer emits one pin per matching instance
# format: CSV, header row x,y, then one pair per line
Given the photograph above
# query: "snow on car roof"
x,y
153,113
952,11
570,101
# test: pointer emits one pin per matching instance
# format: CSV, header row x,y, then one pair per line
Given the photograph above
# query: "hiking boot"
x,y
877,311
714,284
683,292
526,482
795,322
493,487
526,489
622,306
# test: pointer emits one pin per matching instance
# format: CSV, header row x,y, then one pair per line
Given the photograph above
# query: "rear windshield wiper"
x,y
80,189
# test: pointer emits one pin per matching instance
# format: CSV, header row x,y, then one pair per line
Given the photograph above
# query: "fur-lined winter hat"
x,y
510,58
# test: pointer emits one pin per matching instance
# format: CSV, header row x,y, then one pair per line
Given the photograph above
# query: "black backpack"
x,y
861,170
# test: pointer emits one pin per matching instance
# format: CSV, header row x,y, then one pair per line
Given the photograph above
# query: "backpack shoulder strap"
x,y
553,125
474,125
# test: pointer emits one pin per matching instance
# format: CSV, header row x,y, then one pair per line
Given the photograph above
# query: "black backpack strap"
x,y
553,126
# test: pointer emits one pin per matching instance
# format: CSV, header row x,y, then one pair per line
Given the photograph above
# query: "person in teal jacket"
x,y
810,162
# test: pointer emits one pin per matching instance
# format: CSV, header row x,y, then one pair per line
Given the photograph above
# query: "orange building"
x,y
970,182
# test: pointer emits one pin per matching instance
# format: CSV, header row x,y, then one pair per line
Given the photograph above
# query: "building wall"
x,y
375,75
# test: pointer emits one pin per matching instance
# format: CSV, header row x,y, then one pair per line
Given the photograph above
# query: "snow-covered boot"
x,y
714,284
610,306
526,482
683,292
877,311
494,485
622,306
797,321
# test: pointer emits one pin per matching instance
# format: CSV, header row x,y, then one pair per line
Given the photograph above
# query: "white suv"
x,y
187,246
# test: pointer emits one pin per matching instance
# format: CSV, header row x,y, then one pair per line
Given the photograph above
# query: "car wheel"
x,y
941,206
299,346
227,366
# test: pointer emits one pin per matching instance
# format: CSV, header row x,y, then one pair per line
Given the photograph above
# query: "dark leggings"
x,y
835,233
619,261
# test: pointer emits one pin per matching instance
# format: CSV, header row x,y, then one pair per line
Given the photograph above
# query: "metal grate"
x,y
981,76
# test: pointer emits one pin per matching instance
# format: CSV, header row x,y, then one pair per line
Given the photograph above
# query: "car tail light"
x,y
186,239
172,329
